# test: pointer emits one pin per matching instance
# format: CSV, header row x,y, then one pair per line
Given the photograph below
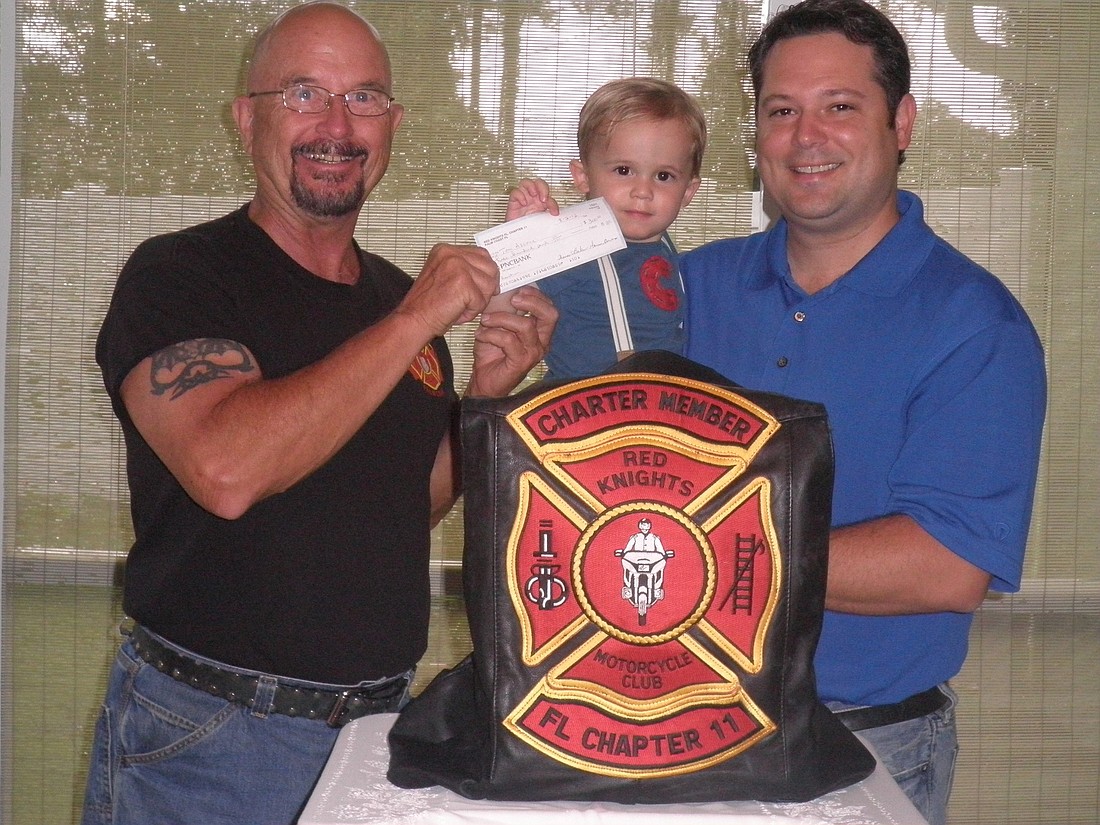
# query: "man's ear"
x,y
243,114
904,118
397,114
580,177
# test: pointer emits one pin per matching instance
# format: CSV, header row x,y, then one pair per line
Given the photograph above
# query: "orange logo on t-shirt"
x,y
425,368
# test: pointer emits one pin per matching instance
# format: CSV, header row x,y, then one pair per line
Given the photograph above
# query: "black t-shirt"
x,y
327,581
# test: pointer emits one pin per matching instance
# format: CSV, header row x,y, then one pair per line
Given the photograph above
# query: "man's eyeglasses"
x,y
312,100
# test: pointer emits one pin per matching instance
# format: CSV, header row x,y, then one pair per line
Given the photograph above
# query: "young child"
x,y
641,144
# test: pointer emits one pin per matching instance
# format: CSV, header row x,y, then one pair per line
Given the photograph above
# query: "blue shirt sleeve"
x,y
966,471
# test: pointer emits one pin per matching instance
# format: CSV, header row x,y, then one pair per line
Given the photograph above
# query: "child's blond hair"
x,y
631,98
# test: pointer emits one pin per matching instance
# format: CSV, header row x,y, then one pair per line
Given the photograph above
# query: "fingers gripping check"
x,y
453,287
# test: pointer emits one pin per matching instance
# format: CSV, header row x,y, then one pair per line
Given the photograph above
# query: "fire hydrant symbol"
x,y
545,587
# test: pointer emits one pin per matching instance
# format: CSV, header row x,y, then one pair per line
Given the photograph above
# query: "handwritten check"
x,y
535,246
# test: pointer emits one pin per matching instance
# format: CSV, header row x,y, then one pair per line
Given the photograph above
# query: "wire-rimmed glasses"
x,y
312,100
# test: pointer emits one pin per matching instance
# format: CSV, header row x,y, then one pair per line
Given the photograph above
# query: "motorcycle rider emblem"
x,y
632,605
645,571
644,560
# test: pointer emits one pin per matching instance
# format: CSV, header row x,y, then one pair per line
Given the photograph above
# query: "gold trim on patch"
x,y
619,701
557,686
531,654
751,660
555,454
710,728
615,631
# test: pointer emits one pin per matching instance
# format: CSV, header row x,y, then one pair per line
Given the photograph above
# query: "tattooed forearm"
x,y
181,367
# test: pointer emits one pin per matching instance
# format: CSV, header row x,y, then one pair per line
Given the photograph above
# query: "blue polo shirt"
x,y
934,383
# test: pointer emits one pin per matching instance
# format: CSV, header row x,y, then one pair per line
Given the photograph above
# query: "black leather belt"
x,y
336,706
875,716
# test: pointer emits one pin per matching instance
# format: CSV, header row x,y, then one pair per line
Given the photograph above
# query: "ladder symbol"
x,y
745,551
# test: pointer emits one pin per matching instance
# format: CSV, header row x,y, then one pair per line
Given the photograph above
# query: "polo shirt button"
x,y
782,362
800,316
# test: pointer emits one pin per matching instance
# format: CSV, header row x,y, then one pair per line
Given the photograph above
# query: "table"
x,y
353,789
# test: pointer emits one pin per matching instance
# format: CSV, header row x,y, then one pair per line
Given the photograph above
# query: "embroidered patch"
x,y
653,272
638,589
425,368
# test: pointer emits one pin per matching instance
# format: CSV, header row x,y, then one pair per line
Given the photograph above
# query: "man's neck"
x,y
817,262
818,259
324,247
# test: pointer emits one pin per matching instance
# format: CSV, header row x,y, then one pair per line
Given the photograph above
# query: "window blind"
x,y
119,128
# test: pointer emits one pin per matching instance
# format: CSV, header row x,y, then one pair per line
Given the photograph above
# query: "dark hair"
x,y
860,23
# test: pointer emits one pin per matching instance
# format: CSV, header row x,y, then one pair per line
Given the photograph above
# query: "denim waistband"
x,y
875,716
264,693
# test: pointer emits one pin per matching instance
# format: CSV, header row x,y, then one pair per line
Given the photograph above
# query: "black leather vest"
x,y
644,575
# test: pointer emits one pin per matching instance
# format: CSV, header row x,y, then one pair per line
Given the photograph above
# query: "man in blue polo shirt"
x,y
930,371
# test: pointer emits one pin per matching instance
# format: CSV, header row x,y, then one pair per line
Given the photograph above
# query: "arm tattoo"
x,y
181,367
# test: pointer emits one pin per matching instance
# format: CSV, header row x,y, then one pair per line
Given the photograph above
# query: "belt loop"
x,y
265,696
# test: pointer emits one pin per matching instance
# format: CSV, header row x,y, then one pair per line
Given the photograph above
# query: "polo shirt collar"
x,y
884,271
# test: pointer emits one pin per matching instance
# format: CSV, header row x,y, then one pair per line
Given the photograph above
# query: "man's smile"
x,y
330,153
817,169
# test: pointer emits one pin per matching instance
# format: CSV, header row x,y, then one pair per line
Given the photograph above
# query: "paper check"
x,y
538,245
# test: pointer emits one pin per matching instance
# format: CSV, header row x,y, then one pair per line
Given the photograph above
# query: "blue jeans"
x,y
165,752
920,755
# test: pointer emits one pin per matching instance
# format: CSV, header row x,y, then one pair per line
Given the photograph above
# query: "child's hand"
x,y
501,302
530,196
507,301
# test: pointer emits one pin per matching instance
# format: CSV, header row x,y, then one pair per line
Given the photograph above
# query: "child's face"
x,y
644,172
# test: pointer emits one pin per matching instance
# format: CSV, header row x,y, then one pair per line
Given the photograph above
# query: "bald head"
x,y
307,17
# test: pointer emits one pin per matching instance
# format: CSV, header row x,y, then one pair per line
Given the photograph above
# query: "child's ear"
x,y
689,193
580,177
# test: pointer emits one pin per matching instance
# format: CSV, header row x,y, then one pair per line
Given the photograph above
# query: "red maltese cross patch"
x,y
425,368
642,584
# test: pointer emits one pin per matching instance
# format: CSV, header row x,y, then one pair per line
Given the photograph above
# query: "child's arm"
x,y
530,196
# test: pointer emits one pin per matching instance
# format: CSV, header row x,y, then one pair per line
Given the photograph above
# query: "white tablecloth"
x,y
354,789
